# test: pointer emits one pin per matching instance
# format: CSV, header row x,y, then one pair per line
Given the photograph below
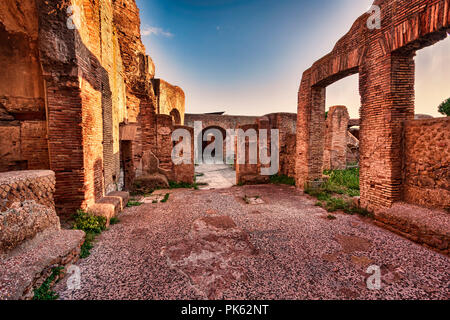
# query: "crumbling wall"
x,y
426,179
83,81
26,206
139,70
352,150
286,123
171,100
246,171
214,120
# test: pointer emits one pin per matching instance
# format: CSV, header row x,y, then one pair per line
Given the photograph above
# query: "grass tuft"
x,y
92,226
282,179
89,223
114,220
343,182
166,198
133,203
45,292
333,195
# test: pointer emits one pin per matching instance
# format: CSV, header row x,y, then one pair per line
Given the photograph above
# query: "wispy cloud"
x,y
148,31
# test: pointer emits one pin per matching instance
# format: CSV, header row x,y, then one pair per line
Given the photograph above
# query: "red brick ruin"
x,y
91,110
83,121
391,169
82,102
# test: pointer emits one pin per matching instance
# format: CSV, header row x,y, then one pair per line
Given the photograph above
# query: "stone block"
x,y
148,183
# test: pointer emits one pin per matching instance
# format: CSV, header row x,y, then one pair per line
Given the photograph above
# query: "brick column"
x,y
310,133
387,95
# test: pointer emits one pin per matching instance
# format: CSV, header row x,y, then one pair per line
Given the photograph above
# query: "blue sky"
x,y
247,56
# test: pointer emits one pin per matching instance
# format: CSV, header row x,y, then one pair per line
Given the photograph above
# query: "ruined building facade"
x,y
78,97
396,162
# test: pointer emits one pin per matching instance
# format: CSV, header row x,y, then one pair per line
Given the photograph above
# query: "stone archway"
x,y
210,131
214,172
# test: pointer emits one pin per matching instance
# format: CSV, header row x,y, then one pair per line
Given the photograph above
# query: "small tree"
x,y
444,108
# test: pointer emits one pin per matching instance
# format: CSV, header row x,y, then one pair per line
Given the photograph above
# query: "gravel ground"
x,y
213,245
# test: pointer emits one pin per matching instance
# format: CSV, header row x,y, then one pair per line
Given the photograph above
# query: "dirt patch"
x,y
362,261
353,244
208,255
220,222
330,257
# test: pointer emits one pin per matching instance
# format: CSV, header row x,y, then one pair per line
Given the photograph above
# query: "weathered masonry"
x,y
77,96
384,60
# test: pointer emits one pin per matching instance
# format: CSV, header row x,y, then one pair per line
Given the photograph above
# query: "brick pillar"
x,y
57,51
245,172
310,133
335,153
264,124
387,95
185,172
164,128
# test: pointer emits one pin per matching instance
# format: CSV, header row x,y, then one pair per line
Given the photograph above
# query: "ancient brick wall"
x,y
427,162
223,121
57,48
23,128
138,70
335,151
82,83
171,100
384,60
113,97
102,97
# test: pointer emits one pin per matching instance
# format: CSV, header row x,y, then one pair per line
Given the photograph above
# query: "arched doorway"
x,y
209,136
176,116
213,172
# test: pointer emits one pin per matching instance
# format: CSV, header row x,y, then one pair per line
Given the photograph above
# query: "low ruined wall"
x,y
286,123
287,155
185,172
214,120
26,206
247,172
426,162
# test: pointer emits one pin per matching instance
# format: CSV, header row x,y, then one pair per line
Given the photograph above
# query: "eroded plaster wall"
x,y
23,128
